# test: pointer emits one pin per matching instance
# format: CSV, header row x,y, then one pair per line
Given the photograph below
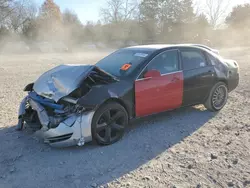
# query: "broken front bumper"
x,y
63,135
75,130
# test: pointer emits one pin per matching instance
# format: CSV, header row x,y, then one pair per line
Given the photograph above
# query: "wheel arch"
x,y
225,81
218,81
119,101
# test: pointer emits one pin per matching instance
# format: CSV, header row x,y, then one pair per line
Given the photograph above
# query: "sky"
x,y
88,10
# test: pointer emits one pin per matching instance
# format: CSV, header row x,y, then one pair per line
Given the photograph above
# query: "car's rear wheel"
x,y
109,123
217,98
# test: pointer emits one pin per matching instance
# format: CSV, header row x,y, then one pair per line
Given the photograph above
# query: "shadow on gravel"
x,y
23,159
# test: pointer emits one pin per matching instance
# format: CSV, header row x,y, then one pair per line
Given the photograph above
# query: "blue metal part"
x,y
59,111
45,102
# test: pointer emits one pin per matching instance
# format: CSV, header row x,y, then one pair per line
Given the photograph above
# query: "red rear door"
x,y
162,93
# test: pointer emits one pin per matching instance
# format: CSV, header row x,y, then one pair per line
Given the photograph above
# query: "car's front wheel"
x,y
217,98
109,123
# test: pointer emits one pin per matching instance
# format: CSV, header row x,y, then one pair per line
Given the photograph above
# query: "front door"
x,y
165,92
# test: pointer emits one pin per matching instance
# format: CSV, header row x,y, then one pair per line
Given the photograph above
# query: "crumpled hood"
x,y
61,80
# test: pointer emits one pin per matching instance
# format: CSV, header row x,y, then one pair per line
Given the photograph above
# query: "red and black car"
x,y
74,104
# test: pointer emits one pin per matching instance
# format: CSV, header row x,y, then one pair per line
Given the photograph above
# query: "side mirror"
x,y
152,74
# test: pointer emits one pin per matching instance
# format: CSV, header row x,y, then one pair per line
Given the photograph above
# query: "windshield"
x,y
123,62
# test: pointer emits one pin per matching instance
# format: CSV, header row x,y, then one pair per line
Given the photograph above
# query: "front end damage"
x,y
52,106
59,125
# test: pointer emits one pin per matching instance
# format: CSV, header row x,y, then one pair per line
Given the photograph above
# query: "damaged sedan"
x,y
74,104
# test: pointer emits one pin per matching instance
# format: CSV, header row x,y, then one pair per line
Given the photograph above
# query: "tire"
x,y
109,123
20,124
217,98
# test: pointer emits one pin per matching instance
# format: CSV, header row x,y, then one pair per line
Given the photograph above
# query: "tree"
x,y
239,25
6,8
201,27
3,33
186,11
201,21
70,18
118,10
72,27
165,19
239,17
50,10
148,20
216,11
30,30
149,10
23,12
50,20
175,12
89,33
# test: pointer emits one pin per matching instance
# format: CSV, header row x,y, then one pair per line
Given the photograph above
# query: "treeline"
x,y
127,22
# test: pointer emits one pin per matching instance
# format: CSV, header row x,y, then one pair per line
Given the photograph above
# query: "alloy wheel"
x,y
110,125
219,97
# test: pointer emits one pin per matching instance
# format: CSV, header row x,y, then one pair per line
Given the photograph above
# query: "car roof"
x,y
164,46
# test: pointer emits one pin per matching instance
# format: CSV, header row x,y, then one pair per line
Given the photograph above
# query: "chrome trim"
x,y
70,100
171,73
154,58
144,79
161,75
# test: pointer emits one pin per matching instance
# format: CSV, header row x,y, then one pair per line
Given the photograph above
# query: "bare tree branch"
x,y
216,10
118,10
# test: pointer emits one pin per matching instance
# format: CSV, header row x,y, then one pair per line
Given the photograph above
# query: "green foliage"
x,y
240,16
149,10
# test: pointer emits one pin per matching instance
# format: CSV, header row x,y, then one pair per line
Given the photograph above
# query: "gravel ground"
x,y
189,147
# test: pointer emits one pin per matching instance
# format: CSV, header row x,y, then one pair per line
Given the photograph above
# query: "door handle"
x,y
211,72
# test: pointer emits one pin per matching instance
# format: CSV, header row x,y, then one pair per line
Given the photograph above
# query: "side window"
x,y
165,62
213,60
193,60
